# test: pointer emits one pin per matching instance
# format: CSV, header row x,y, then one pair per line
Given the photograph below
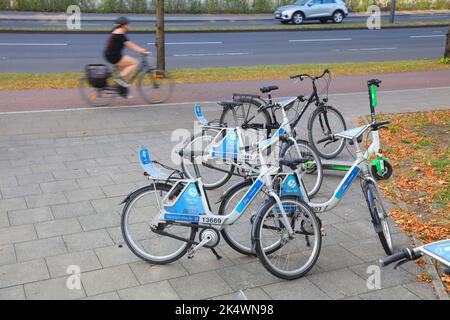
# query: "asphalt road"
x,y
211,22
70,52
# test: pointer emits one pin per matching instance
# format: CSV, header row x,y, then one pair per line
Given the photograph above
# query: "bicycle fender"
x,y
377,163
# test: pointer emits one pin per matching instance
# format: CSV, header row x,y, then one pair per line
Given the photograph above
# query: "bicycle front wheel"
x,y
298,252
138,214
323,123
379,216
214,172
95,97
312,179
155,86
239,234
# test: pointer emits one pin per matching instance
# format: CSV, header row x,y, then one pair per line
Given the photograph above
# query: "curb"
x,y
444,24
429,265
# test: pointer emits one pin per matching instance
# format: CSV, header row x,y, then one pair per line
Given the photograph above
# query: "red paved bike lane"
x,y
59,99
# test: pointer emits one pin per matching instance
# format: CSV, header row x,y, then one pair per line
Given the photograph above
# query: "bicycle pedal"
x,y
323,232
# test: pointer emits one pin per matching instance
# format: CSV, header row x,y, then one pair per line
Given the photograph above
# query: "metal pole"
x,y
160,41
447,47
393,6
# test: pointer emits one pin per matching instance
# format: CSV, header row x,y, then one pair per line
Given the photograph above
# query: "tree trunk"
x,y
393,7
160,42
447,47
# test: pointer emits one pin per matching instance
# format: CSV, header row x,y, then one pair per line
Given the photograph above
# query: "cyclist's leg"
x,y
127,65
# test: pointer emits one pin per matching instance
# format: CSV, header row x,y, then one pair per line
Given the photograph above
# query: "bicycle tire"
x,y
316,113
208,186
231,240
155,97
381,227
263,256
89,99
136,195
252,103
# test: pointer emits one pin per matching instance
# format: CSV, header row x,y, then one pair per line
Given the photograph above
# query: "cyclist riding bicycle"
x,y
113,52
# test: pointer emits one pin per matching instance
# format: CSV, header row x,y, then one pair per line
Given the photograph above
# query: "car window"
x,y
317,1
329,1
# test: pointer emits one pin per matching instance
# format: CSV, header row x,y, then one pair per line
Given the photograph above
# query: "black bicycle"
x,y
252,111
97,87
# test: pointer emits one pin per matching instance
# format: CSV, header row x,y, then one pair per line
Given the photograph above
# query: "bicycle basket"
x,y
97,75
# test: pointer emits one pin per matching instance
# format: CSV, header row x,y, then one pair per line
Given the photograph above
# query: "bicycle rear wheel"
x,y
155,86
139,235
249,112
324,122
95,97
296,254
214,172
379,216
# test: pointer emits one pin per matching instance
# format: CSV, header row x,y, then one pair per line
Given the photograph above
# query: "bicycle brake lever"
x,y
331,141
398,264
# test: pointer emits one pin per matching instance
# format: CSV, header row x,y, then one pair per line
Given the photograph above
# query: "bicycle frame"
x,y
359,167
313,99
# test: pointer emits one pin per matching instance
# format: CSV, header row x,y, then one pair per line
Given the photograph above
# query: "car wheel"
x,y
323,20
338,17
298,18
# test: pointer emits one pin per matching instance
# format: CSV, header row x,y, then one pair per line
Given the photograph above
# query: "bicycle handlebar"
x,y
305,75
379,124
404,254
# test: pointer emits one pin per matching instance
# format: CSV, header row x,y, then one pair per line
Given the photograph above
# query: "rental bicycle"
x,y
251,111
97,87
291,184
160,221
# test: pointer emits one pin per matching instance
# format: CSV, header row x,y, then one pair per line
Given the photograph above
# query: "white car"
x,y
322,10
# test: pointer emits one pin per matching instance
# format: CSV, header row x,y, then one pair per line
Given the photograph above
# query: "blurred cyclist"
x,y
113,52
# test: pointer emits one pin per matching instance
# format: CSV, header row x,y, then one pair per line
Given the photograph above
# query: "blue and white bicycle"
x,y
160,222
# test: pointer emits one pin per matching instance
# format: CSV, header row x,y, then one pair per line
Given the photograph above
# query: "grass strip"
x,y
61,80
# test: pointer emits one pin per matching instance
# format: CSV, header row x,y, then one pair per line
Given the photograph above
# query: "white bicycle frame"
x,y
358,167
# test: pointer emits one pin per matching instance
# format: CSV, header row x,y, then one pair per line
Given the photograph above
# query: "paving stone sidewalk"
x,y
63,175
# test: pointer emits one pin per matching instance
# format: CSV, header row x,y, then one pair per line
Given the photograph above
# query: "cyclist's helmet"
x,y
122,20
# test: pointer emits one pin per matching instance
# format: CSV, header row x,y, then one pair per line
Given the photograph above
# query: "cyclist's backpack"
x,y
97,75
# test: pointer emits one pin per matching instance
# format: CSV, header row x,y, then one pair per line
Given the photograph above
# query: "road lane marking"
x,y
190,43
211,54
372,49
31,44
65,24
428,36
318,40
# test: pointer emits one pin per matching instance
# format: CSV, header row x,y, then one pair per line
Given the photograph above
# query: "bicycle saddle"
x,y
229,104
268,89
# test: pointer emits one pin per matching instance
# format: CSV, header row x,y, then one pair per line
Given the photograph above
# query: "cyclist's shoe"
x,y
122,82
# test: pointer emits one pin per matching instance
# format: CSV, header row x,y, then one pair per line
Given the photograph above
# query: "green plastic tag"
x,y
373,93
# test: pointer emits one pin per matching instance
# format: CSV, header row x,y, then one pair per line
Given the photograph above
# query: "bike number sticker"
x,y
211,220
